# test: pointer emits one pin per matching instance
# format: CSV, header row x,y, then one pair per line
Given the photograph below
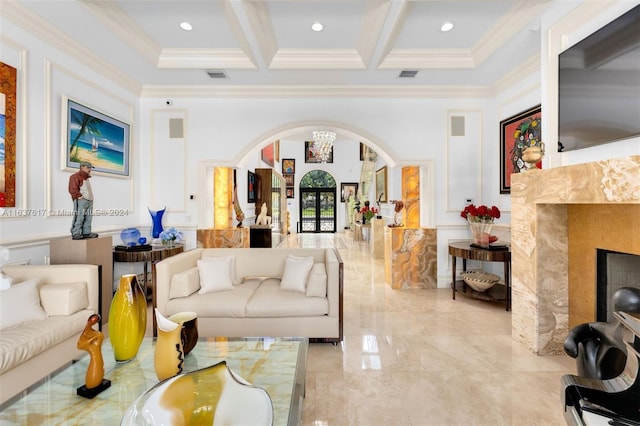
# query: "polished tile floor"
x,y
417,357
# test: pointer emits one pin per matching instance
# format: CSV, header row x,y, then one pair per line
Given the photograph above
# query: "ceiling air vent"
x,y
216,74
408,73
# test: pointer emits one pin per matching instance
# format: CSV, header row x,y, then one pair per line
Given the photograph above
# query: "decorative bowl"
x,y
480,281
130,236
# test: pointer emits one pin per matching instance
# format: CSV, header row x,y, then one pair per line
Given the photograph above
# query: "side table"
x,y
463,250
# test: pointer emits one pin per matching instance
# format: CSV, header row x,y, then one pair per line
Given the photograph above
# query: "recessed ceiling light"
x,y
317,26
447,26
186,26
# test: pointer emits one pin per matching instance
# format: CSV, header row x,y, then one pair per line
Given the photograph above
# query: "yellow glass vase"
x,y
169,356
127,318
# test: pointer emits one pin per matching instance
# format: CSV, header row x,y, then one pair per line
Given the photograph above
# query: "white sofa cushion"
x,y
184,283
296,273
215,274
19,344
317,281
270,301
64,299
220,304
20,304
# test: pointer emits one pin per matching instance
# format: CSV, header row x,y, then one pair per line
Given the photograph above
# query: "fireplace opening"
x,y
613,271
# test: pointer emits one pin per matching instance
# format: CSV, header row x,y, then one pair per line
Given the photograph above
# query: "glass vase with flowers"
x,y
480,219
368,213
170,236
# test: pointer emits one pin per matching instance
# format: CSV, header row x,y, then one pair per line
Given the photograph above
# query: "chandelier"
x,y
323,144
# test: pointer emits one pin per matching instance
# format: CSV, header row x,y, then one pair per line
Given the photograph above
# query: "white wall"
x,y
230,132
43,204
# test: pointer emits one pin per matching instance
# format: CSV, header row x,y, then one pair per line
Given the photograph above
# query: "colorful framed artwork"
x,y
518,133
8,103
268,155
90,135
347,189
381,185
310,156
289,179
290,193
251,187
288,165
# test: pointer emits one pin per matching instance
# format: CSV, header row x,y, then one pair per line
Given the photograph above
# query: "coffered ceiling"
x,y
365,44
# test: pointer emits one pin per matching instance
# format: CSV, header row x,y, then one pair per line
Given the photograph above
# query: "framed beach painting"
x,y
518,133
91,135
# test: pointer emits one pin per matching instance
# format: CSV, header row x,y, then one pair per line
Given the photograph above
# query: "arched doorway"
x,y
317,202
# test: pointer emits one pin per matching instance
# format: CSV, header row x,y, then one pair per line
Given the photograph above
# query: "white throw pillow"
x,y
296,272
20,304
5,281
215,274
317,282
64,299
234,274
184,283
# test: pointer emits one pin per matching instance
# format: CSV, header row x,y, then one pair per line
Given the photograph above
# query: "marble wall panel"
x,y
411,258
540,241
223,238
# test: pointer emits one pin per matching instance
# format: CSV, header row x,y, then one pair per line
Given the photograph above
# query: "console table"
x,y
463,250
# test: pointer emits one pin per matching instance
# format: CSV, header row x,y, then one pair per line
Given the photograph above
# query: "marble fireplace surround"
x,y
541,202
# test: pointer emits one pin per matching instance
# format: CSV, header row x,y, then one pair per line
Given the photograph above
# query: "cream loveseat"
x,y
43,313
242,292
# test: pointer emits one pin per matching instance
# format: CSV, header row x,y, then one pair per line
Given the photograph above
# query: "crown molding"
x,y
314,91
428,59
205,58
317,59
124,27
519,16
38,27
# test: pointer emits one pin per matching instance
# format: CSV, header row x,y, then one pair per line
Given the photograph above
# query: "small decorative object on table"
x,y
480,281
169,355
211,395
156,219
189,332
480,221
170,236
368,212
130,236
91,341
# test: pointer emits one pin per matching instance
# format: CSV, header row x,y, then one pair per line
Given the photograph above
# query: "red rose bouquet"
x,y
480,213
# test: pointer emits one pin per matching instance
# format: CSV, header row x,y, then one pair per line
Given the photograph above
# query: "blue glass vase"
x,y
130,236
156,218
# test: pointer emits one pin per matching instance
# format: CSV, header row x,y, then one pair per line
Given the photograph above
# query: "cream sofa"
x,y
29,351
256,304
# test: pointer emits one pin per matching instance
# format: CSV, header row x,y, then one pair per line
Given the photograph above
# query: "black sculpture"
x,y
598,346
